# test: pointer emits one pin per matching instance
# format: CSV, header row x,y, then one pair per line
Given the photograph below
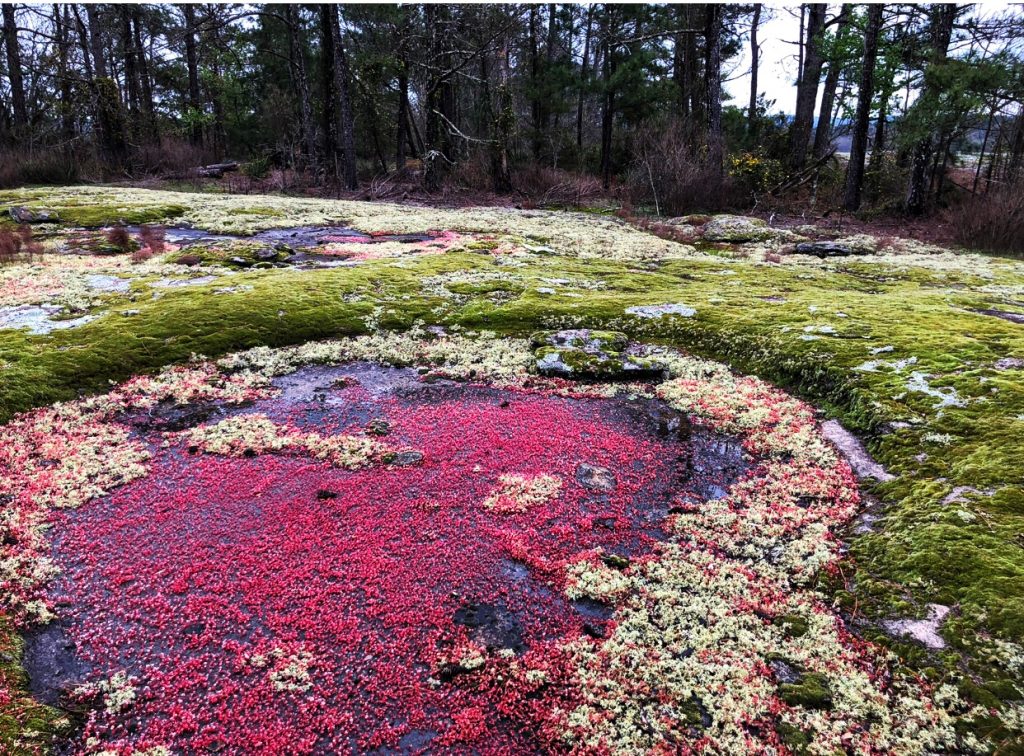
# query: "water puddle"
x,y
39,319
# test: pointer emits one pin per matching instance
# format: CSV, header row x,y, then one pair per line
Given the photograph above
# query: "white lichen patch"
x,y
660,311
947,396
257,434
515,494
117,693
924,631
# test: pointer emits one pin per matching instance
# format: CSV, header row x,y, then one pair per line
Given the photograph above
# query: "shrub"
x,y
173,156
992,222
755,174
674,177
18,244
556,187
258,167
51,166
152,238
119,239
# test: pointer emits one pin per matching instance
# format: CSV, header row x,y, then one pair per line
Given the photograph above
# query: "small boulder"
x,y
851,245
585,353
24,215
404,458
273,254
584,339
737,228
378,427
595,477
811,691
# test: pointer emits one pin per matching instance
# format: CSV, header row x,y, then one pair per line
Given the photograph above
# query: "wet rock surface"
x,y
393,553
1013,317
494,626
836,248
53,664
27,215
285,247
40,319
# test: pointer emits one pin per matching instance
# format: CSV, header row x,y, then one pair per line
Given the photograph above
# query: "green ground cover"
x,y
894,344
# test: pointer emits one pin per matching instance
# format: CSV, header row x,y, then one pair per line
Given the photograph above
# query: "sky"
x,y
778,66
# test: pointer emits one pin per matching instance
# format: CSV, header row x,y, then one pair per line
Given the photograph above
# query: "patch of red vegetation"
x,y
279,604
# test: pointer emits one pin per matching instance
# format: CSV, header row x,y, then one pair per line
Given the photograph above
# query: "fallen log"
x,y
216,170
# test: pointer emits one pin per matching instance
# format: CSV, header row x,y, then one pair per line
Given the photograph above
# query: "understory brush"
x,y
992,222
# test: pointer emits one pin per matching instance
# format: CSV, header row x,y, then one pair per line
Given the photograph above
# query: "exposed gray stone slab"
x,y
854,452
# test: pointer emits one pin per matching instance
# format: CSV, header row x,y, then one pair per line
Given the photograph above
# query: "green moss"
x,y
233,254
812,692
98,216
762,319
793,625
797,740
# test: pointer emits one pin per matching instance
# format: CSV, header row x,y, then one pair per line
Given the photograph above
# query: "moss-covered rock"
x,y
592,354
737,228
914,303
811,692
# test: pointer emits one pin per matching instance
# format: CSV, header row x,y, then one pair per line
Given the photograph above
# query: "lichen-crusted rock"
x,y
687,220
737,228
595,477
583,353
585,339
661,310
850,245
24,215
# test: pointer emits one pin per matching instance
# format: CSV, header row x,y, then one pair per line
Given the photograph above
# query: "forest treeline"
x,y
506,97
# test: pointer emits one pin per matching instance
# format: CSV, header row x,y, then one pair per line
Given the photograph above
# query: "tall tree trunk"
x,y
145,79
943,17
535,103
713,86
401,121
504,123
133,86
878,143
436,153
192,65
691,70
608,104
823,131
807,88
546,93
330,122
859,145
297,61
984,144
343,108
61,23
106,101
583,78
403,113
679,77
14,74
755,53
